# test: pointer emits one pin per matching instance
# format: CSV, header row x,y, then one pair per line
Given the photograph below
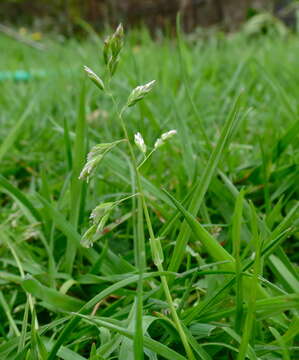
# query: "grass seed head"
x,y
106,49
140,142
112,47
159,142
87,239
116,41
95,156
94,78
99,217
140,92
168,135
99,211
164,137
112,65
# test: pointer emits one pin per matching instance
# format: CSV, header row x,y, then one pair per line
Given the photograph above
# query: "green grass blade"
x,y
248,333
106,292
22,340
149,343
14,132
76,184
216,251
202,186
7,312
38,348
68,146
284,348
20,198
51,296
236,240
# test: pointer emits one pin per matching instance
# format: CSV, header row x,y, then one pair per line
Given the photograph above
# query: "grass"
x,y
195,256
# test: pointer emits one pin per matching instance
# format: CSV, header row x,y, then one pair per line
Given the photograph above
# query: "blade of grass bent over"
x,y
216,251
70,326
151,344
210,243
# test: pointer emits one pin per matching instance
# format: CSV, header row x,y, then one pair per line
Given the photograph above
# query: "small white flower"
x,y
140,142
94,77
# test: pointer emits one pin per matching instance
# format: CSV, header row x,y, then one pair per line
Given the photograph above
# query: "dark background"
x,y
63,15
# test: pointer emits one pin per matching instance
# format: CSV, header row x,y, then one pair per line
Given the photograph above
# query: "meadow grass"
x,y
195,253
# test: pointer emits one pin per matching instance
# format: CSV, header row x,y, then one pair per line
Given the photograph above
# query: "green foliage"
x,y
216,205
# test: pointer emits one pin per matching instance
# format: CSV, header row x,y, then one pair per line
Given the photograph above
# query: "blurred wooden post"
x,y
13,34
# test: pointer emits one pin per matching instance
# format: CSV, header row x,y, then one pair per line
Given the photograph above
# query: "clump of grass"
x,y
112,49
124,238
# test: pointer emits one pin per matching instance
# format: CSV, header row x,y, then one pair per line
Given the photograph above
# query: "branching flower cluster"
x,y
111,51
100,215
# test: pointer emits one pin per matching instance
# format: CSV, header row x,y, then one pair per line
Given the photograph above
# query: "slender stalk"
x,y
22,273
156,245
145,160
140,243
166,287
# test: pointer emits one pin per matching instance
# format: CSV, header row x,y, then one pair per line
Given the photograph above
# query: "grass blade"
x,y
236,239
76,185
14,132
202,186
149,343
51,296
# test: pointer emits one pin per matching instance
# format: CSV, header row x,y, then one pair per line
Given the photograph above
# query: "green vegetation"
x,y
191,249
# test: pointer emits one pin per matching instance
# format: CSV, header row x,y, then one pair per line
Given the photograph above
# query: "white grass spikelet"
x,y
159,142
139,93
168,135
164,137
94,78
139,141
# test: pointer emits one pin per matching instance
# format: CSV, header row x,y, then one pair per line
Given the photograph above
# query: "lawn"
x,y
184,250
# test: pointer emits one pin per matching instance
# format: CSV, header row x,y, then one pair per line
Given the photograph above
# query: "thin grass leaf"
x,y
149,343
284,348
51,296
76,185
22,339
250,352
38,348
202,186
236,240
67,142
216,251
247,333
7,312
15,131
75,319
20,198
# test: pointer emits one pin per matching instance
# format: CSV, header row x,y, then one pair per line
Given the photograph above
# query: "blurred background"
x,y
64,16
